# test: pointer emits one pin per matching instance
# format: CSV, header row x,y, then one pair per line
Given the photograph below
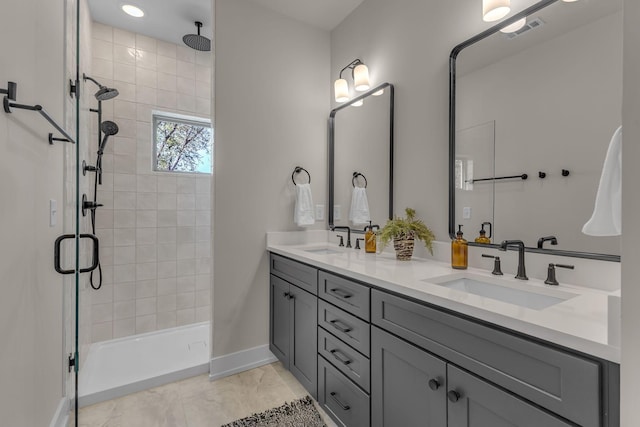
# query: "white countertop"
x,y
580,323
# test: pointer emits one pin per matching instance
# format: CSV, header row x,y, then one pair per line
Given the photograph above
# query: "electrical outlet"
x,y
466,212
319,212
337,213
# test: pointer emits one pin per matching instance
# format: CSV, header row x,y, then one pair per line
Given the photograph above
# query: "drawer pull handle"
x,y
286,294
340,357
341,293
334,395
453,396
340,326
434,384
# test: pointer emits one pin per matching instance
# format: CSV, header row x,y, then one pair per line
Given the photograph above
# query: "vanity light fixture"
x,y
358,103
360,74
515,26
493,10
132,10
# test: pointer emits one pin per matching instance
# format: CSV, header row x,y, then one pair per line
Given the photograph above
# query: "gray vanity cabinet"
x,y
408,384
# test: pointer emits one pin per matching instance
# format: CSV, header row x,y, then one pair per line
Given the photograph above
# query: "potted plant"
x,y
403,232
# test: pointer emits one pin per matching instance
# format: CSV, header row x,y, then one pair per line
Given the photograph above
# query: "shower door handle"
x,y
96,253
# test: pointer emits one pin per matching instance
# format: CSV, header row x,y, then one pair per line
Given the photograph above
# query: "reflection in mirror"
x,y
547,98
361,160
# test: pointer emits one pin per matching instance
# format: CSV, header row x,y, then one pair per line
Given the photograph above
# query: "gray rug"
x,y
299,413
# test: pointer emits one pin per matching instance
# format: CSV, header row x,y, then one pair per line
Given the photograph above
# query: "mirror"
x,y
531,117
361,155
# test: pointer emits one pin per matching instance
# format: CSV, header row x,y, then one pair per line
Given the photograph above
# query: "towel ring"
x,y
299,169
355,176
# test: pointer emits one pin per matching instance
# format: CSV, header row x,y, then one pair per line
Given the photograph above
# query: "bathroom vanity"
x,y
385,343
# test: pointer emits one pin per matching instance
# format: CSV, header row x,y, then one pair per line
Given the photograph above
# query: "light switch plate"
x,y
319,212
337,212
466,212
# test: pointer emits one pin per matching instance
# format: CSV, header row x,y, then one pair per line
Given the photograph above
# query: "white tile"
x,y
203,250
203,106
102,312
146,289
186,267
167,269
101,69
145,323
147,201
146,59
104,217
203,202
186,250
167,184
127,91
147,184
186,70
186,103
167,219
185,284
186,86
166,320
144,131
146,43
203,281
124,218
107,275
127,128
102,49
124,255
186,235
167,82
123,37
203,90
102,31
105,236
185,317
167,99
203,74
101,331
203,314
124,163
203,234
124,182
124,309
204,59
125,327
185,300
146,271
124,273
166,49
143,113
107,181
166,303
186,54
148,218
145,306
146,95
124,72
203,218
124,237
186,202
167,252
203,266
124,54
146,253
167,285
146,77
203,298
106,257
167,65
146,236
124,109
124,146
186,185
124,292
167,235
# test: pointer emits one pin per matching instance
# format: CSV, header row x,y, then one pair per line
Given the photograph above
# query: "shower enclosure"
x,y
142,293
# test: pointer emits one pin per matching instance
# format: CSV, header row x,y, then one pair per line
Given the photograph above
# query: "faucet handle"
x,y
551,273
358,243
341,239
497,269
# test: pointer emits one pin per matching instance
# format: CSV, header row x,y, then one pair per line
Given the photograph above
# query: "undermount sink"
x,y
536,299
322,251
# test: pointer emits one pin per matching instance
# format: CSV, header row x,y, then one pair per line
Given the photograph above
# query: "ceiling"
x,y
169,20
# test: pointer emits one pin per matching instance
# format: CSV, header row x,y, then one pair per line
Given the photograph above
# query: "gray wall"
x,y
271,108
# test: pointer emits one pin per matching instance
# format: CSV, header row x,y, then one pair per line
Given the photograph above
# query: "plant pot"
x,y
404,248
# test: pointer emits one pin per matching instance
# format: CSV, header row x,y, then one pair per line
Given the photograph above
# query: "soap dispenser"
x,y
459,251
482,238
370,239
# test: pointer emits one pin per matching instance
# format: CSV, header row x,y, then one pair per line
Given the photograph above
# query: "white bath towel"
x,y
359,212
606,218
303,212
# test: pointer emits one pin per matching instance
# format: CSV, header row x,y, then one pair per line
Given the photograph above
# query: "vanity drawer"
x,y
343,325
346,294
348,361
340,398
559,381
299,274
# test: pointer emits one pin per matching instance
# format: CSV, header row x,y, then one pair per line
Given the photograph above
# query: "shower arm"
x,y
85,78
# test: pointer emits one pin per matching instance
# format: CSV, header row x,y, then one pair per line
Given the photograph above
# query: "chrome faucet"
x,y
348,230
522,274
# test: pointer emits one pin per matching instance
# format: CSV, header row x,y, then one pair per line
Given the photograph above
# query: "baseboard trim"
x,y
229,364
61,417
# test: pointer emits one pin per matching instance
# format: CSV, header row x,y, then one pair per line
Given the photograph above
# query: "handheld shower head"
x,y
104,93
196,41
108,128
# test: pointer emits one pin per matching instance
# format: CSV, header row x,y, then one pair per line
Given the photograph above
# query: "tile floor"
x,y
198,402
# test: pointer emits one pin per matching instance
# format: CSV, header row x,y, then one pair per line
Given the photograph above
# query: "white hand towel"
x,y
359,212
606,218
303,213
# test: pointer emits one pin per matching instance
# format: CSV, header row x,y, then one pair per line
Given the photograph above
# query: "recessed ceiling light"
x,y
134,11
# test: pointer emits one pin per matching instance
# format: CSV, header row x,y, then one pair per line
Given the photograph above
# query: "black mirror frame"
x,y
452,136
331,153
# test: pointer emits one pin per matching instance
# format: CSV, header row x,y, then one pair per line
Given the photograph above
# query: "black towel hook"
x,y
299,169
355,176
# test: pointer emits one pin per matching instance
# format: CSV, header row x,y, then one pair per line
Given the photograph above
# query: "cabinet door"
x,y
304,338
279,319
408,385
474,402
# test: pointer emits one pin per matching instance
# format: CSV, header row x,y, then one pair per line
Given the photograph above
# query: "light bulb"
x,y
341,89
358,103
361,77
515,26
378,93
493,10
132,10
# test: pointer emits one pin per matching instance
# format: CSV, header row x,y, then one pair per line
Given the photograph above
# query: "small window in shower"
x,y
182,143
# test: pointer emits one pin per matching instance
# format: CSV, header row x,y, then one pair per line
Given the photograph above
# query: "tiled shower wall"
x,y
155,227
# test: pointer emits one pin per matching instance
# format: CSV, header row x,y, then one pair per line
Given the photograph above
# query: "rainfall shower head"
x,y
104,93
196,41
108,128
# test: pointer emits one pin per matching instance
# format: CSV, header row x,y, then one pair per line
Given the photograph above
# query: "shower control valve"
x,y
88,205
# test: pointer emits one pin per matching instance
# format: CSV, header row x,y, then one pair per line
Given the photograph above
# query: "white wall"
x,y
31,173
271,106
630,375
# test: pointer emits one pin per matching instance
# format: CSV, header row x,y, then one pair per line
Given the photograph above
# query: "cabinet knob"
x,y
453,396
434,384
286,294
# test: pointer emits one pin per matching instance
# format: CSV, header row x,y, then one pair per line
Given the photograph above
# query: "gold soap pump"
x,y
370,238
459,251
482,238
